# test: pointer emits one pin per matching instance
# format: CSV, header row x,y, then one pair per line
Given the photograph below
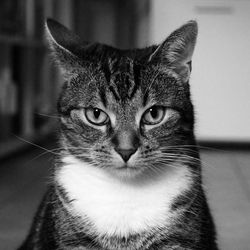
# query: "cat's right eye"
x,y
96,116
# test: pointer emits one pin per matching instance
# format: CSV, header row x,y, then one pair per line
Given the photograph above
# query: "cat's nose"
x,y
125,153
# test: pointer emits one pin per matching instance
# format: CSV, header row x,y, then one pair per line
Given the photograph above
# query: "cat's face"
x,y
126,111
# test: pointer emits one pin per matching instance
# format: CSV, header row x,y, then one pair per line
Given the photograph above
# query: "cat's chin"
x,y
126,171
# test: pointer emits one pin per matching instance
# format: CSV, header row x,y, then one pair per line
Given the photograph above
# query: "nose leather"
x,y
126,153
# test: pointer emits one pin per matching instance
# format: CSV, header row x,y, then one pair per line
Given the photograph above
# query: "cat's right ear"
x,y
177,50
65,47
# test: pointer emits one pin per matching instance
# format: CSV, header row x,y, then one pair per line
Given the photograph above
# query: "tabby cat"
x,y
129,173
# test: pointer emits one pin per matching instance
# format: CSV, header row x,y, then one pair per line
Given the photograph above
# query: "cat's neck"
x,y
118,207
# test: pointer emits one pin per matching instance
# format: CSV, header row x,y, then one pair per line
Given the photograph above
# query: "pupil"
x,y
154,113
96,113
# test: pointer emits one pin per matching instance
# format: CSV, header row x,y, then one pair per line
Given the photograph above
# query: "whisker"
x,y
50,116
196,146
194,160
34,144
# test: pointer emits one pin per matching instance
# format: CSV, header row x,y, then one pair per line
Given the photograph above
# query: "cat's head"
x,y
126,111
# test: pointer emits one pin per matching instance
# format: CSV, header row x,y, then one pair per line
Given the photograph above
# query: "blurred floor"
x,y
23,181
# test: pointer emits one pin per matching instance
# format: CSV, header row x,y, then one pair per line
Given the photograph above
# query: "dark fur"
x,y
98,73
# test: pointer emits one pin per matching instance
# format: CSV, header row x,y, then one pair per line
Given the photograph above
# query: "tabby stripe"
x,y
145,99
102,93
116,95
106,70
136,74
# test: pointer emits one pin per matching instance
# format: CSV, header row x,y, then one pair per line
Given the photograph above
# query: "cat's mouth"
x,y
127,170
126,166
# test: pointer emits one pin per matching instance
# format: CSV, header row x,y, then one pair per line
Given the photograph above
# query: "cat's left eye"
x,y
153,115
96,116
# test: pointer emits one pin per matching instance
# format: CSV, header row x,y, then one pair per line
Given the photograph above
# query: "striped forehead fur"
x,y
122,76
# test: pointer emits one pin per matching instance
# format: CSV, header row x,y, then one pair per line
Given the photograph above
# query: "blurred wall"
x,y
220,81
123,24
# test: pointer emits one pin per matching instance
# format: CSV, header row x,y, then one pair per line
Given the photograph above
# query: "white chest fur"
x,y
118,208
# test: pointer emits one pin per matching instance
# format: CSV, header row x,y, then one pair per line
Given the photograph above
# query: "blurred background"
x,y
220,86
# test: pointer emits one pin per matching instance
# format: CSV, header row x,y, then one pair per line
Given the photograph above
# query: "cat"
x,y
129,174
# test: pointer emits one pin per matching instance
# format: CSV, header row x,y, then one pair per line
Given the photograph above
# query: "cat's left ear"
x,y
177,50
65,46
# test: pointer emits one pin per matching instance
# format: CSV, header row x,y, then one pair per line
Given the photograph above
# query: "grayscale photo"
x,y
124,125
